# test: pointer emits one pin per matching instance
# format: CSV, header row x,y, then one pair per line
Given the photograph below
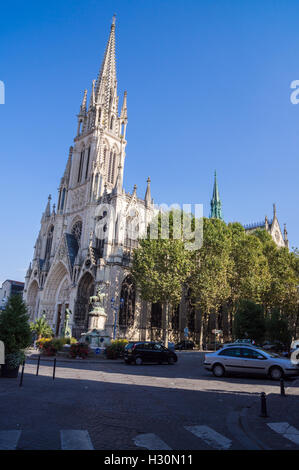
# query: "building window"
x,y
127,306
111,122
156,315
87,163
111,169
104,158
175,320
49,242
62,199
80,166
77,231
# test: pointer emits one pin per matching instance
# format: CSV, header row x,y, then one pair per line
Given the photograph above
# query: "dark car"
x,y
148,351
185,345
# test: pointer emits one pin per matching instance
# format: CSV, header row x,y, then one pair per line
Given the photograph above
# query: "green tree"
x,y
209,279
14,327
277,328
41,327
249,321
249,276
282,293
160,268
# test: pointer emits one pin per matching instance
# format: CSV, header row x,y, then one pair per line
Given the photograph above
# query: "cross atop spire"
x,y
216,211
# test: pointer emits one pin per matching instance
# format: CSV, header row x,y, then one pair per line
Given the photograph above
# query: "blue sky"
x,y
208,86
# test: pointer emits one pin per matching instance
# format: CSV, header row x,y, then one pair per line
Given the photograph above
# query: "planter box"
x,y
9,373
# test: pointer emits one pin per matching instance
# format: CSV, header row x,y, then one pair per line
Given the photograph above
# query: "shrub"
x,y
116,348
58,343
70,340
49,346
40,342
13,360
79,350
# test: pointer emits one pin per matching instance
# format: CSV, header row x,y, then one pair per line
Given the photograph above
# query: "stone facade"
x,y
88,240
273,228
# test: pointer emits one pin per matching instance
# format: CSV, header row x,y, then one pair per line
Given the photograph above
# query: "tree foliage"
x,y
249,321
14,327
233,269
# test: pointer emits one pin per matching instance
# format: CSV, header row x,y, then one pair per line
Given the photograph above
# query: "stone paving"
x,y
117,406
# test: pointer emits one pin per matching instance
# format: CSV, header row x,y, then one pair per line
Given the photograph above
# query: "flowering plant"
x,y
79,349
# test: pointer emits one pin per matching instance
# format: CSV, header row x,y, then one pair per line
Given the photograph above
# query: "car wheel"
x,y
276,373
218,370
171,360
138,361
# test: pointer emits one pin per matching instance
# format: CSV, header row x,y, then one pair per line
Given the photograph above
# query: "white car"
x,y
249,359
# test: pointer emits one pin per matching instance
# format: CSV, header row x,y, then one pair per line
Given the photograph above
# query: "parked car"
x,y
185,345
148,351
170,345
213,346
275,346
249,359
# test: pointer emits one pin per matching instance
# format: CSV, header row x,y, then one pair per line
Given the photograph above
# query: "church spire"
x,y
83,104
148,197
216,211
106,84
118,183
47,212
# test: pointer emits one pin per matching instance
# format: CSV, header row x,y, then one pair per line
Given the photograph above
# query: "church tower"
x,y
73,256
216,211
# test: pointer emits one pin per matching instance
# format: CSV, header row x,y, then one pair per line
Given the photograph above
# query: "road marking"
x,y
150,442
210,437
287,431
75,440
9,439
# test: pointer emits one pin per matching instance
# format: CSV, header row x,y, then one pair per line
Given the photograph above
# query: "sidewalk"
x,y
33,354
280,429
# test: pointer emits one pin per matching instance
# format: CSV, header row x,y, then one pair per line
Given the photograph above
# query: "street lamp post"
x,y
115,308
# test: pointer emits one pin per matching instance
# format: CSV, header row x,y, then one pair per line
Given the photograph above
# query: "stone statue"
x,y
96,336
98,300
66,330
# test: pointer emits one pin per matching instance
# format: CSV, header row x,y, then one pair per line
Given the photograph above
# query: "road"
x,y
115,406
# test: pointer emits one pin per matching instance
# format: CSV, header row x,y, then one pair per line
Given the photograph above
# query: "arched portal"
x,y
32,300
156,322
82,306
50,301
62,302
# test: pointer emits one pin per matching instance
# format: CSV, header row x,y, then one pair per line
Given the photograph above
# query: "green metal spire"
x,y
216,211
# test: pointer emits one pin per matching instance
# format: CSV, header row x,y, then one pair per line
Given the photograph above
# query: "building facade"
x,y
88,239
9,288
271,226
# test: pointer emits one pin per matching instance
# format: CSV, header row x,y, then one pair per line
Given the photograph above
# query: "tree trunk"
x,y
166,321
201,331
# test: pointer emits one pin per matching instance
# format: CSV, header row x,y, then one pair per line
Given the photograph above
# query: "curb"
x,y
246,428
237,424
76,361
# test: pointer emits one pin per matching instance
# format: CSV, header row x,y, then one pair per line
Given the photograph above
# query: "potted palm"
x,y
15,333
41,328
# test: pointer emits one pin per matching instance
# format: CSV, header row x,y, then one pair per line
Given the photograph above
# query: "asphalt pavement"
x,y
109,405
